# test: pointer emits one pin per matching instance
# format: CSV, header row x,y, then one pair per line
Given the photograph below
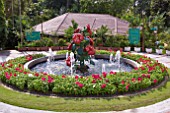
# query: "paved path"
x,y
160,107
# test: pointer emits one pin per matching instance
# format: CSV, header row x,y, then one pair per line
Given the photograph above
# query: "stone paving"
x,y
160,107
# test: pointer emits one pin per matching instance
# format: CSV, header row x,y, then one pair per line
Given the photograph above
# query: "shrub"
x,y
61,42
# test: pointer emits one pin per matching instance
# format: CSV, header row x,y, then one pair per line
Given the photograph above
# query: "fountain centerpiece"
x,y
82,46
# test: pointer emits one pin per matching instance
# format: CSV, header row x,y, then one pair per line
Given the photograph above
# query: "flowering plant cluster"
x,y
82,46
149,74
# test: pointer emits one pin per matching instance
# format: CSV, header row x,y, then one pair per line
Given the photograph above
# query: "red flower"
x,y
43,78
68,62
135,68
96,76
155,81
112,73
91,41
148,75
107,80
142,68
76,77
80,85
90,49
139,79
133,79
151,69
15,74
94,81
50,79
89,30
63,76
143,75
123,82
7,75
25,72
127,87
29,57
77,83
77,30
104,74
77,38
70,46
36,74
103,86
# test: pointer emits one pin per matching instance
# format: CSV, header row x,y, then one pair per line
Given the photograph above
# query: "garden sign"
x,y
134,35
30,36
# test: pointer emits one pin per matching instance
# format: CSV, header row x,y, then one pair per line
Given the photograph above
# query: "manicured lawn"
x,y
83,104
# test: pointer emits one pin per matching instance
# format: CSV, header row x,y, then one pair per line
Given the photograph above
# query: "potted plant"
x,y
127,46
159,47
167,49
148,46
137,47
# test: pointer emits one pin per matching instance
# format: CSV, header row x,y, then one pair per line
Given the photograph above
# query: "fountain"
x,y
111,58
117,58
51,55
71,60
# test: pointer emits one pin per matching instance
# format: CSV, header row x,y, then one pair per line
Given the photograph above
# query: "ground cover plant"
x,y
151,73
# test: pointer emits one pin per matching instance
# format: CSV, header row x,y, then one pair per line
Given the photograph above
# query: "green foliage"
x,y
3,27
101,33
61,42
69,32
41,43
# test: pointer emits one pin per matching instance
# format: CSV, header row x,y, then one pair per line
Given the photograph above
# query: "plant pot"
x,y
127,48
167,52
31,48
148,50
44,48
137,49
159,51
55,48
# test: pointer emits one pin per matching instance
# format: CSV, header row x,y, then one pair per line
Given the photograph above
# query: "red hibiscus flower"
x,y
104,74
77,38
103,86
70,46
139,79
90,49
77,30
89,30
68,62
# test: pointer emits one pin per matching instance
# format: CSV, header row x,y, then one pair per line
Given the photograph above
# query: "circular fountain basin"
x,y
58,66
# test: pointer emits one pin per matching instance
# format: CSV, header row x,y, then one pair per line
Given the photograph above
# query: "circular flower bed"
x,y
150,74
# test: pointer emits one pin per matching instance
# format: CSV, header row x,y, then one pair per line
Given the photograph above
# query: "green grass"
x,y
83,104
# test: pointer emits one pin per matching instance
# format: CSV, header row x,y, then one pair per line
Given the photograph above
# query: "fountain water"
x,y
51,55
111,58
67,54
117,58
103,68
71,60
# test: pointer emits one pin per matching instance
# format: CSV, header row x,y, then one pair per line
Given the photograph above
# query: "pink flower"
x,y
77,83
139,79
7,75
107,80
76,77
142,68
127,87
15,74
112,73
135,68
43,78
104,74
96,76
25,72
103,86
143,75
29,57
155,81
123,82
50,79
148,75
133,79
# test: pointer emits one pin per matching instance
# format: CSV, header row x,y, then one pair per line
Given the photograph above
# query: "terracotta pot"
x,y
55,48
44,48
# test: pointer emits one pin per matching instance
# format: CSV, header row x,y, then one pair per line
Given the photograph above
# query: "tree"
x,y
3,27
